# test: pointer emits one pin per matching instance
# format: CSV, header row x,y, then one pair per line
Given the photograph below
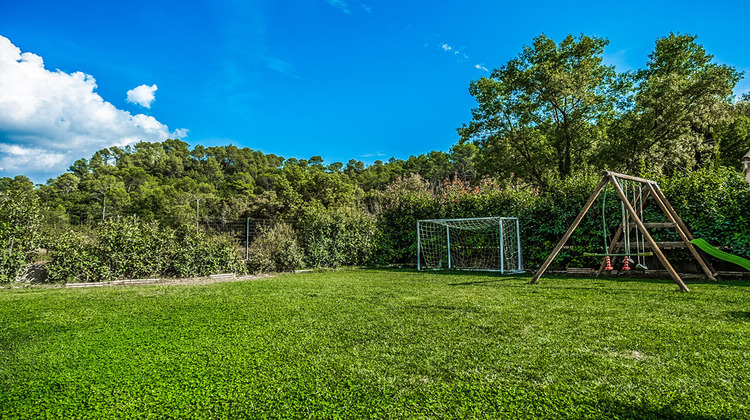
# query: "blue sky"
x,y
344,79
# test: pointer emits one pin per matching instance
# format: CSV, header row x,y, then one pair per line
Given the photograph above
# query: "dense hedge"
x,y
121,249
336,237
715,204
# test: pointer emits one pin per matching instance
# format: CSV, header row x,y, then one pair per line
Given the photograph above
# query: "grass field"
x,y
378,343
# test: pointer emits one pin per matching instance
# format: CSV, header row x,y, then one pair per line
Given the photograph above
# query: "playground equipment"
x,y
630,215
711,250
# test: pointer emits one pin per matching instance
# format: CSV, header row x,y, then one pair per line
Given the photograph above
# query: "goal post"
x,y
479,243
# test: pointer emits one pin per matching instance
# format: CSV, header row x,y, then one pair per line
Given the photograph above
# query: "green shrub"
x,y
715,204
20,220
136,249
201,254
336,237
122,248
77,257
275,249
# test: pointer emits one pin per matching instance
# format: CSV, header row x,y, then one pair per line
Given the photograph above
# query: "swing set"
x,y
633,192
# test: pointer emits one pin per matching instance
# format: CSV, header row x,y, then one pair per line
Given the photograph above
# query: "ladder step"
x,y
660,225
661,245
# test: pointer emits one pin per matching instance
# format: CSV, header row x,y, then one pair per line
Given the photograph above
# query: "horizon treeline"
x,y
554,111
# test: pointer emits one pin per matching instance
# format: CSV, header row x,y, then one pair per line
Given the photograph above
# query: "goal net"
x,y
482,243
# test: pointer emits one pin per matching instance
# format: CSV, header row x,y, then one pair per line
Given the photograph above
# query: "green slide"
x,y
710,249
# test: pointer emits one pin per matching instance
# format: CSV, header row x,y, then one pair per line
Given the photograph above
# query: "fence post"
x,y
247,238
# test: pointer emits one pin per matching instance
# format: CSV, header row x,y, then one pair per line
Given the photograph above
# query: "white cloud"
x,y
48,119
339,4
372,155
142,95
366,8
461,56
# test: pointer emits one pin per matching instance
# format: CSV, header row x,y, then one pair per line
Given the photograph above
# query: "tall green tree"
x,y
734,137
680,98
542,114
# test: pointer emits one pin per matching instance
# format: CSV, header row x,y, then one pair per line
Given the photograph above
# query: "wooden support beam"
x,y
648,237
660,225
681,229
572,228
669,244
628,177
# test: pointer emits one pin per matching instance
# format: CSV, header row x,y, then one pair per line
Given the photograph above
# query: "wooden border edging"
x,y
112,283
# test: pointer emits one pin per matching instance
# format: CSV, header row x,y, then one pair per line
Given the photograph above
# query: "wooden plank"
x,y
576,270
93,284
628,177
644,231
572,228
660,225
667,245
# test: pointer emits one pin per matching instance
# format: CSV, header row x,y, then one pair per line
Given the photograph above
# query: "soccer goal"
x,y
480,243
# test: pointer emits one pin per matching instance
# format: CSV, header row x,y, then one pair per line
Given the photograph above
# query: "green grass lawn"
x,y
372,343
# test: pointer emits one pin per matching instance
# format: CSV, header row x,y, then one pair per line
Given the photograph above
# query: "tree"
x,y
680,98
542,114
734,137
107,187
20,222
462,156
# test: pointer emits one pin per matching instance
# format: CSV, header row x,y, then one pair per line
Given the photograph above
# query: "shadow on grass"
x,y
493,277
739,315
625,411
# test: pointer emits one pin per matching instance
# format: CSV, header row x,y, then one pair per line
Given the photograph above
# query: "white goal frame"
x,y
501,247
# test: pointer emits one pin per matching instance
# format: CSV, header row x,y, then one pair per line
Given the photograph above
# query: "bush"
x,y
276,249
201,254
122,248
77,257
136,249
337,237
20,220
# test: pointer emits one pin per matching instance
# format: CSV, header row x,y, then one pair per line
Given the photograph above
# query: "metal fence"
x,y
244,231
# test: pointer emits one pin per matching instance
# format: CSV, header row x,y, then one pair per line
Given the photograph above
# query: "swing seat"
x,y
639,254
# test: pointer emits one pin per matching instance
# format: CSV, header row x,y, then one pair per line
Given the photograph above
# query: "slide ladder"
x,y
711,250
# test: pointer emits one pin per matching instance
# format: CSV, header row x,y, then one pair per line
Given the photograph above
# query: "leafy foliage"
x,y
201,254
713,203
275,250
680,99
121,249
334,238
20,221
542,114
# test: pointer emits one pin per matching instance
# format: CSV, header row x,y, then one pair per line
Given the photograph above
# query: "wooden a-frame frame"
x,y
652,191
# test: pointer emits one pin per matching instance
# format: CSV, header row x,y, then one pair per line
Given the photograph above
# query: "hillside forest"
x,y
546,123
